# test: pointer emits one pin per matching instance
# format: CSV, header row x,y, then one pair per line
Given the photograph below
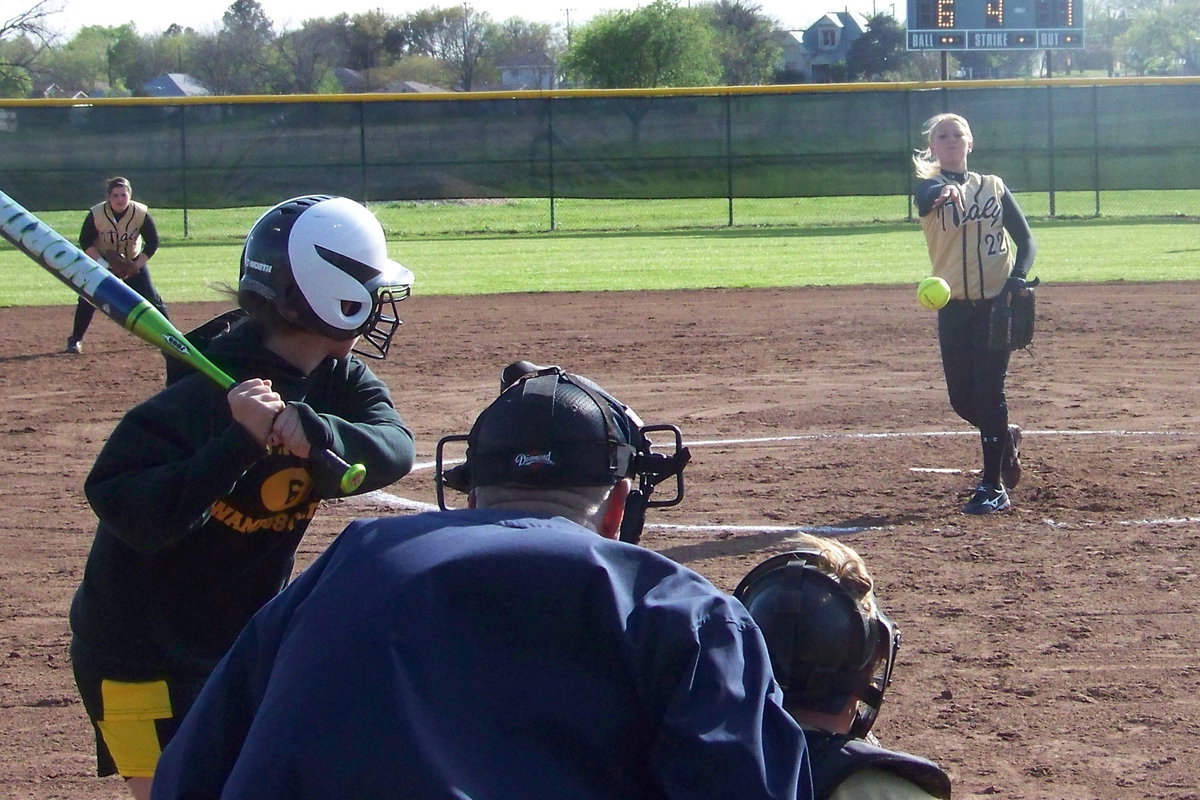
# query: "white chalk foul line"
x,y
387,500
1131,523
925,434
820,530
803,437
382,498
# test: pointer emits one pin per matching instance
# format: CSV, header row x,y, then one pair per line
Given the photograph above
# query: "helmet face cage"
x,y
887,642
859,664
382,324
322,262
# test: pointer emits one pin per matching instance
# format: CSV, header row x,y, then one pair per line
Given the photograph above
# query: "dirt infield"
x,y
1050,652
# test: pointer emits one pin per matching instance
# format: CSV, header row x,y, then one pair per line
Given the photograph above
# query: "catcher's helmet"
x,y
322,262
824,647
553,429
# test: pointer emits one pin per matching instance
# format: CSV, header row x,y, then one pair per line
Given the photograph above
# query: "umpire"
x,y
501,651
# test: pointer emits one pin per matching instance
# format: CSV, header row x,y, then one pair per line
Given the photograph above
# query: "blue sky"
x,y
153,16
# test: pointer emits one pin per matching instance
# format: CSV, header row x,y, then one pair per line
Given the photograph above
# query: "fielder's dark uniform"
x,y
882,773
199,526
975,252
487,654
131,234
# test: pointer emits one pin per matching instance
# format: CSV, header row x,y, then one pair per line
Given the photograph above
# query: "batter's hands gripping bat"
x,y
65,261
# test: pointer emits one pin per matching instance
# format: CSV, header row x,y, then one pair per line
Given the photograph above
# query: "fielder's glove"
x,y
1014,311
119,265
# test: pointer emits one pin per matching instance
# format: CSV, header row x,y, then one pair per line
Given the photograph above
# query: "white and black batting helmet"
x,y
321,261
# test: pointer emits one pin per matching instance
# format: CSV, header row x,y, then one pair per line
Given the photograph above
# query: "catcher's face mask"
x,y
877,676
553,429
824,649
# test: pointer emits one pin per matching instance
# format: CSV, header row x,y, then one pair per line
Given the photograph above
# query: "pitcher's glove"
x,y
119,265
1014,312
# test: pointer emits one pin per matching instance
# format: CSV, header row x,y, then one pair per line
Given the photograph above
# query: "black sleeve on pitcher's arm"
x,y
927,191
1018,229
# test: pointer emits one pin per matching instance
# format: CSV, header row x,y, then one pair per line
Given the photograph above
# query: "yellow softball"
x,y
933,293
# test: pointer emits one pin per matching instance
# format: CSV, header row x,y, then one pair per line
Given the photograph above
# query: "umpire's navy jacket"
x,y
479,654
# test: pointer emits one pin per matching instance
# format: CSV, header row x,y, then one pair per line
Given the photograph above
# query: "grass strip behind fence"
x,y
648,253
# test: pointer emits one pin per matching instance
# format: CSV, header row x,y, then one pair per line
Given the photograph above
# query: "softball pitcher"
x,y
980,243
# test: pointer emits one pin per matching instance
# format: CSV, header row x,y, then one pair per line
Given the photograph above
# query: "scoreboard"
x,y
995,24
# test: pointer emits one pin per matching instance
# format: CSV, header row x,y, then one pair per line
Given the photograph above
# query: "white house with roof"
x,y
533,70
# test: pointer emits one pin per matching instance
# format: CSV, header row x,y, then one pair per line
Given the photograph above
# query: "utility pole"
x,y
568,11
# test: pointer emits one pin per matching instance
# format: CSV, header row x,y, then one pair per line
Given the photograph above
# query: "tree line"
x,y
710,43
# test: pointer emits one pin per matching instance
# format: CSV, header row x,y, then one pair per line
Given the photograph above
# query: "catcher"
x,y
833,650
980,243
120,234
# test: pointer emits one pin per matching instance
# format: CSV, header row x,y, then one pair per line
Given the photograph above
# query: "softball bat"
x,y
84,276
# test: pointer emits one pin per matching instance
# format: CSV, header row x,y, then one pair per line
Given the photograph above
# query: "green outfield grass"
x,y
504,246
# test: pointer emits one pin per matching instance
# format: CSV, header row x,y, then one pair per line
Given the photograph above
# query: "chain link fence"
x,y
590,160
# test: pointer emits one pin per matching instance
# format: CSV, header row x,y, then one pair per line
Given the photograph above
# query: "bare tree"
x,y
24,36
457,36
466,43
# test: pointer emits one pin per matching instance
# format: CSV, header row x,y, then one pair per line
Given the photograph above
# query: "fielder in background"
x,y
833,650
980,244
121,234
516,649
204,495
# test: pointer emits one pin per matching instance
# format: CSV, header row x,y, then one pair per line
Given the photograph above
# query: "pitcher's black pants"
x,y
975,377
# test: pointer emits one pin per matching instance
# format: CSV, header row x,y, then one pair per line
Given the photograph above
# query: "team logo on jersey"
x,y
281,522
989,210
286,489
